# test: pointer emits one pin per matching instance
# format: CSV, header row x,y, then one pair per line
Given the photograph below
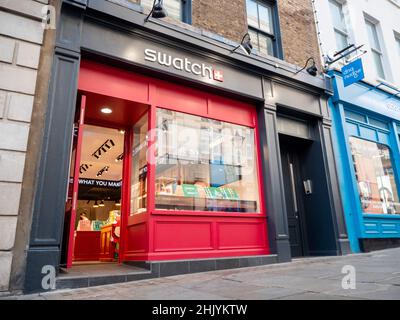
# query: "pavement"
x,y
377,276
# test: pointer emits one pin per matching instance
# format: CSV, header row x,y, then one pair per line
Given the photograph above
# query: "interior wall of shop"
x,y
48,212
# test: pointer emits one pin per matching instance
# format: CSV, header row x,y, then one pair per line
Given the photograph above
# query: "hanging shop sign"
x,y
184,64
353,72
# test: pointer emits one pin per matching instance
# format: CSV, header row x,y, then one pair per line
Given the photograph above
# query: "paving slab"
x,y
377,277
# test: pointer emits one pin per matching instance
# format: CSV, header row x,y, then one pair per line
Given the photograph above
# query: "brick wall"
x,y
228,18
224,17
299,36
21,37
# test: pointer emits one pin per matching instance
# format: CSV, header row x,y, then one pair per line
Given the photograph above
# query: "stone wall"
x,y
21,38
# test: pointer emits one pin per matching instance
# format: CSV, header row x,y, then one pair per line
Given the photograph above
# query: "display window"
x,y
205,165
139,167
375,177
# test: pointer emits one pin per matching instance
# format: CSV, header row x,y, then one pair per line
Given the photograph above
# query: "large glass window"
x,y
139,167
339,24
375,177
260,20
376,50
205,165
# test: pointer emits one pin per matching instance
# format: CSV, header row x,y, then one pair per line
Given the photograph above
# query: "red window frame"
x,y
155,93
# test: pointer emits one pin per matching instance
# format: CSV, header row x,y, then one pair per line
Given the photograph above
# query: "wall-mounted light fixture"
x,y
245,44
157,11
312,70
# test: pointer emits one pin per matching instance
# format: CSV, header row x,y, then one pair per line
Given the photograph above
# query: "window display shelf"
x,y
178,203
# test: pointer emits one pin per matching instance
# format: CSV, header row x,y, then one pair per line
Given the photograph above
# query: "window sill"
x,y
381,216
208,214
128,4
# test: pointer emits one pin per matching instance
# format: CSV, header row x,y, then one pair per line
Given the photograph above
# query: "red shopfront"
x,y
190,167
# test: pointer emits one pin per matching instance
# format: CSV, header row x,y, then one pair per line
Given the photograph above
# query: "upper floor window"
x,y
262,26
376,49
177,9
339,25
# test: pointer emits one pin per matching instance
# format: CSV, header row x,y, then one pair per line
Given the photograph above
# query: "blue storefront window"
x,y
366,123
375,177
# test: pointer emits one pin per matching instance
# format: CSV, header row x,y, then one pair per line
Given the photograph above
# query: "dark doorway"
x,y
291,154
310,216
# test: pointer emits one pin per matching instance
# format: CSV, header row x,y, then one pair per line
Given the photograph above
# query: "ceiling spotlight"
x,y
96,205
245,44
118,203
106,110
122,131
157,11
101,203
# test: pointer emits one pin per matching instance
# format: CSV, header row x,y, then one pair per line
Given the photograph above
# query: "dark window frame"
x,y
276,37
187,11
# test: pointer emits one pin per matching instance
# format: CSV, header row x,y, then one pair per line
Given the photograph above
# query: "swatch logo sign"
x,y
184,64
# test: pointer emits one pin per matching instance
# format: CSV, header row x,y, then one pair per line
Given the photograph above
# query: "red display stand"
x,y
87,246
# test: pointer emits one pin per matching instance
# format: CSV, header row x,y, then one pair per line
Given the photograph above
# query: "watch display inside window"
x,y
205,165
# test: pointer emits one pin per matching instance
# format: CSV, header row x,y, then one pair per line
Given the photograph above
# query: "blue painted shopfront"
x,y
366,123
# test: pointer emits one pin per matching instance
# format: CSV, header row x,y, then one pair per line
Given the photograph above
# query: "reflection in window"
x,y
139,167
375,177
205,165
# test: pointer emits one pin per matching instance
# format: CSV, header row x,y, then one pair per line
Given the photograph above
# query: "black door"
x,y
293,193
